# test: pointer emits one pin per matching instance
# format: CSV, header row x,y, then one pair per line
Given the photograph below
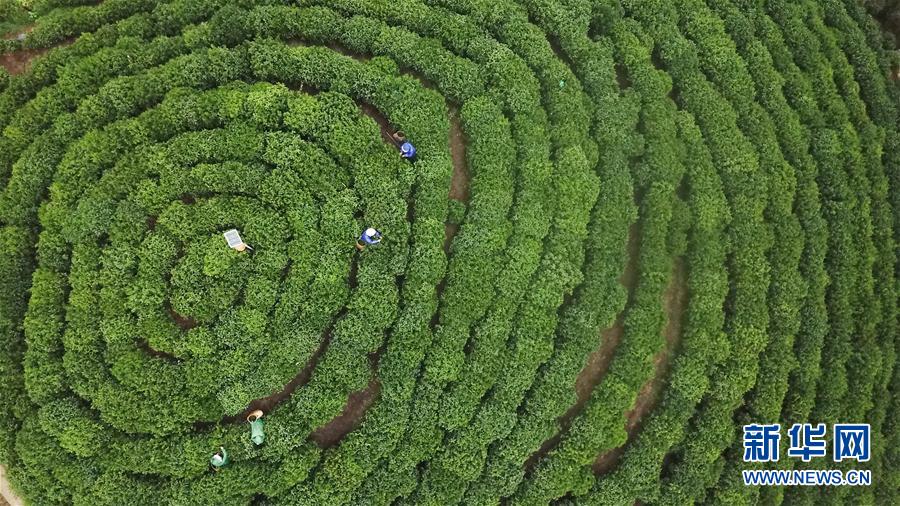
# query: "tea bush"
x,y
519,342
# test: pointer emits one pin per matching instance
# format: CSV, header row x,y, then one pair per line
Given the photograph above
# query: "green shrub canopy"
x,y
629,229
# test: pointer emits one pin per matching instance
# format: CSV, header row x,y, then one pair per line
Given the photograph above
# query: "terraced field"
x,y
629,229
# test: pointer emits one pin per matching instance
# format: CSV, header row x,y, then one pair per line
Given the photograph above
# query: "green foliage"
x,y
12,16
617,153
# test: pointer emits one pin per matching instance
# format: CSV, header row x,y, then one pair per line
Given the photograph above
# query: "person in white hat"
x,y
407,150
369,236
219,459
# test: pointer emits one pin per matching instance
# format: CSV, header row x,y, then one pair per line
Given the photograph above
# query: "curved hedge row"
x,y
514,345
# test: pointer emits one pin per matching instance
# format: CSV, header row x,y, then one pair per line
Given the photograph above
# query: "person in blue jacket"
x,y
407,150
369,236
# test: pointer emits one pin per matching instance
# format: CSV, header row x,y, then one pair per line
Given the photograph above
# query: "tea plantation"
x,y
629,229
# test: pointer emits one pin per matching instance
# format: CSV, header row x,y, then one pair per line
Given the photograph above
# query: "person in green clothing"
x,y
219,459
256,427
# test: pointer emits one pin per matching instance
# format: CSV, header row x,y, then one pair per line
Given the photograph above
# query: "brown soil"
x,y
332,432
267,404
183,322
8,496
15,33
622,77
358,402
459,186
337,48
387,130
674,300
450,230
19,62
144,346
598,362
556,46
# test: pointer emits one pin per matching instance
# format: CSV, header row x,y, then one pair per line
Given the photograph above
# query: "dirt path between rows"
x,y
267,404
18,62
7,496
459,183
358,403
598,361
674,300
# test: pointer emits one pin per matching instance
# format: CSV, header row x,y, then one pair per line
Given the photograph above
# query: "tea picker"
x,y
407,150
369,237
256,427
219,459
234,240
